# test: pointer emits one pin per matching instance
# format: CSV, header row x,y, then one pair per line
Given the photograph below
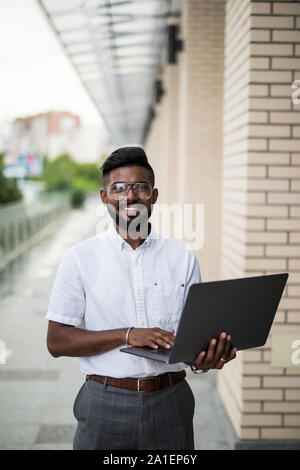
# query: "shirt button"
x,y
143,323
137,262
139,292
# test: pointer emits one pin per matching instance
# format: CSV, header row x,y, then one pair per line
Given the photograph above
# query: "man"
x,y
128,285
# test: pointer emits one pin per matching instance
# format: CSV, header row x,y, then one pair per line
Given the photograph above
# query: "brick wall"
x,y
261,201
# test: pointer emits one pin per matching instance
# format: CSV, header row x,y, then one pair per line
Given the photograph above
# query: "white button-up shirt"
x,y
102,283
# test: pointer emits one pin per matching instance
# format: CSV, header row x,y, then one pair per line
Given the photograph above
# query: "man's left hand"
x,y
218,353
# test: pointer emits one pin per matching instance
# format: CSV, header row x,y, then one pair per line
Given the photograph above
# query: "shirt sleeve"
x,y
67,299
193,274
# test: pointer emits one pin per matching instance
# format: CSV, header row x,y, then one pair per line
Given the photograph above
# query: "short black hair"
x,y
126,156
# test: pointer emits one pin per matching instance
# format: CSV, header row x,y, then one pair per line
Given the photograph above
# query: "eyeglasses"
x,y
119,191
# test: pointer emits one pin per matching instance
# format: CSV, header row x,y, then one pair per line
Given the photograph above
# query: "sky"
x,y
35,74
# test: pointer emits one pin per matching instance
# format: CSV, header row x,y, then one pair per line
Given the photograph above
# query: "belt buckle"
x,y
139,385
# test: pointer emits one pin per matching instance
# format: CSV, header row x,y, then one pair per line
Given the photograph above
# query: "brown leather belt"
x,y
152,384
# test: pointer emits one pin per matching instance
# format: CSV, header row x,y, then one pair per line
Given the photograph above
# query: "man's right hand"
x,y
65,340
153,337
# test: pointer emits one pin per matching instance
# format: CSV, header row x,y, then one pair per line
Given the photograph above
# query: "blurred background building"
x,y
48,134
55,133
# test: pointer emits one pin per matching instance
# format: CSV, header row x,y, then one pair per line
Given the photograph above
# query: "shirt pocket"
x,y
167,304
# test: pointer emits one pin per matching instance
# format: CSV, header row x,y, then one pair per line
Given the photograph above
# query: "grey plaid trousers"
x,y
111,418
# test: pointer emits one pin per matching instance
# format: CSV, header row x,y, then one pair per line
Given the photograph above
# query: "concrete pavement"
x,y
37,391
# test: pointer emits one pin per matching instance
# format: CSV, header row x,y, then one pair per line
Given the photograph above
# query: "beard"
x,y
135,225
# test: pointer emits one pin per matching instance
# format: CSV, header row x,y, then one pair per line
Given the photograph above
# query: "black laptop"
x,y
244,308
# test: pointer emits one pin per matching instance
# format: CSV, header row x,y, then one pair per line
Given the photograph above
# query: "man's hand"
x,y
218,353
153,337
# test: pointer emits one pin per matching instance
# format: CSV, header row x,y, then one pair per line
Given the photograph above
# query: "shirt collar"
x,y
120,242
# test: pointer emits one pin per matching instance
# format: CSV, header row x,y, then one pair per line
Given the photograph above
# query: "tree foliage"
x,y
9,190
64,173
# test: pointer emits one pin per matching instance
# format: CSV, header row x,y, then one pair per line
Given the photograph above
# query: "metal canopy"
x,y
117,47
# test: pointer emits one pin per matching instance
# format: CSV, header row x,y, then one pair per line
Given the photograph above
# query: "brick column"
x,y
157,149
161,142
261,202
185,139
200,120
